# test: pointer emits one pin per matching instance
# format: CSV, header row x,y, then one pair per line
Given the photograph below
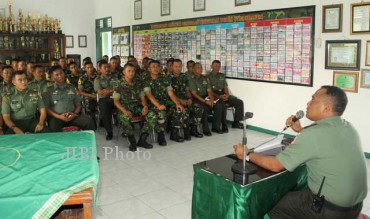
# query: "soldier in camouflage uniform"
x,y
180,85
130,100
104,85
221,91
39,81
20,105
158,89
201,90
74,75
113,68
190,68
5,87
86,89
63,104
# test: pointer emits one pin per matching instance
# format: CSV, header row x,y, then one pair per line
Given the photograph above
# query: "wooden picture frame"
x,y
360,18
165,7
367,55
343,54
138,9
347,81
199,5
69,41
332,18
242,2
82,41
365,78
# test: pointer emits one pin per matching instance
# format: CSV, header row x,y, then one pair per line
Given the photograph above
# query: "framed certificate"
x,y
360,18
242,2
332,17
82,41
199,5
343,54
367,58
347,81
365,78
138,10
69,41
165,7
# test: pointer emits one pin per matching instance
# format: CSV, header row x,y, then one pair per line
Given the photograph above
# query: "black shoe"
x,y
187,135
109,136
161,139
207,133
225,129
237,125
194,132
142,141
132,141
219,131
175,135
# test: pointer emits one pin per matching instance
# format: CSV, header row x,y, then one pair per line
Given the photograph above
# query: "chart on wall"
x,y
121,42
269,46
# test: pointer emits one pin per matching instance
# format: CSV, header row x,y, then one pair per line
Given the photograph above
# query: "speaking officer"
x,y
221,91
63,104
19,107
330,148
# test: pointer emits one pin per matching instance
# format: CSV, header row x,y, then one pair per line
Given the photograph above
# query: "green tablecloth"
x,y
41,181
216,197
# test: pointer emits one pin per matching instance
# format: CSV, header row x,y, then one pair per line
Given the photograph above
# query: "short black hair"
x,y
170,60
128,65
54,60
113,58
102,62
72,63
86,59
154,61
216,61
18,73
6,67
38,66
177,60
338,97
105,56
190,61
54,68
88,63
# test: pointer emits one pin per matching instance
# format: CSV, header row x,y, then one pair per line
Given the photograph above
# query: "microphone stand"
x,y
240,168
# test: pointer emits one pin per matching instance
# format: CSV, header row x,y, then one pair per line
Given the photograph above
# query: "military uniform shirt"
x,y
61,98
86,84
180,85
159,88
105,82
200,84
331,148
22,105
128,93
40,86
73,79
218,82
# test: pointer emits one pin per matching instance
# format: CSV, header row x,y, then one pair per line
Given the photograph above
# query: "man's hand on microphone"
x,y
238,148
296,126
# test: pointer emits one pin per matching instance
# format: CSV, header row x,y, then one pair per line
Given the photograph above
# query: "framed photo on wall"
x,y
165,7
360,18
242,2
69,41
199,5
365,78
347,81
332,17
82,41
367,58
343,54
138,10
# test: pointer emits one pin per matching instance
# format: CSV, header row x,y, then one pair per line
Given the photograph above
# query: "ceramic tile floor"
x,y
158,183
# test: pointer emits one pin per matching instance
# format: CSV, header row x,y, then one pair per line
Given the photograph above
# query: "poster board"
x,y
121,42
269,46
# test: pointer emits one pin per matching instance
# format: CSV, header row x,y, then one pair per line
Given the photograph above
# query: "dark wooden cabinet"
x,y
38,48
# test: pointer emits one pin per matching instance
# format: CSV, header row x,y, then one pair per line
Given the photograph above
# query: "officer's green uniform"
x,y
4,89
129,96
218,83
200,84
62,99
73,79
40,86
106,102
22,108
86,84
331,148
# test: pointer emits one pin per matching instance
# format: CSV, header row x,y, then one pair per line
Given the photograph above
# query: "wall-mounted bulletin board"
x,y
270,46
121,42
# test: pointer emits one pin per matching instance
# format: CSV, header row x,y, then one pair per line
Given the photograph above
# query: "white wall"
x,y
77,18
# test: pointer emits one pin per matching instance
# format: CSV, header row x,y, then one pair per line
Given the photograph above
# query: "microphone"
x,y
299,115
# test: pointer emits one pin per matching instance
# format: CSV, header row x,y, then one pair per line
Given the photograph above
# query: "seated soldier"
x,y
201,90
190,68
39,81
86,89
19,107
63,104
6,85
158,89
30,68
113,67
74,75
104,85
221,91
130,101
